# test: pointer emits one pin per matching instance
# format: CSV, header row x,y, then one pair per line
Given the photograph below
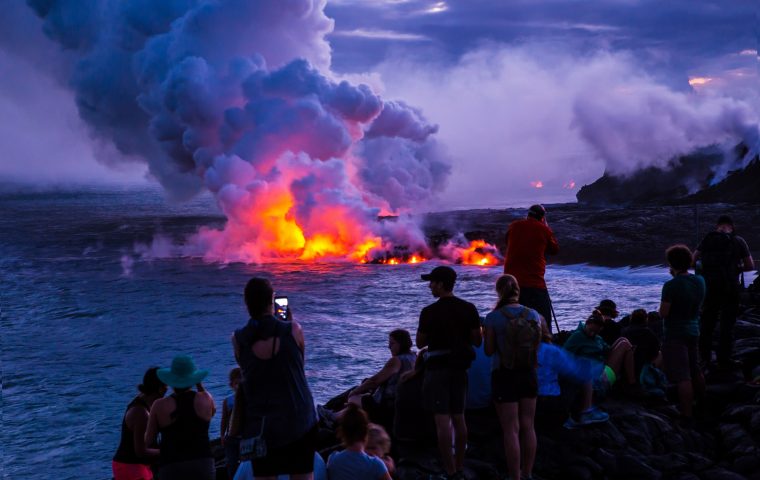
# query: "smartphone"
x,y
281,308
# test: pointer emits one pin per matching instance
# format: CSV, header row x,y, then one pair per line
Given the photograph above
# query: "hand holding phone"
x,y
281,308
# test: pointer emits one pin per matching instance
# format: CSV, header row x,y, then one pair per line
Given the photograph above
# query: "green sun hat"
x,y
182,374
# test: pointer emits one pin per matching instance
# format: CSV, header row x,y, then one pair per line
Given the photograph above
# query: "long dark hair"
x,y
404,340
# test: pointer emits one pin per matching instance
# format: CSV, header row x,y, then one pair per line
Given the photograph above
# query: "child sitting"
x,y
353,462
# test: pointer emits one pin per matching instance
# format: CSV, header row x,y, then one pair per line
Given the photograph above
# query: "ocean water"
x,y
83,316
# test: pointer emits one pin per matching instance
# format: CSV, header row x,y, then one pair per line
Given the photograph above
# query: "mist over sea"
x,y
84,314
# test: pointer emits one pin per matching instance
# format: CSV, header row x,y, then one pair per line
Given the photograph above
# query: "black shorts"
x,y
680,359
445,391
294,459
509,386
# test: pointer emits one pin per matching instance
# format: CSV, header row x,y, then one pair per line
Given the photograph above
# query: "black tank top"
x,y
126,451
275,390
186,438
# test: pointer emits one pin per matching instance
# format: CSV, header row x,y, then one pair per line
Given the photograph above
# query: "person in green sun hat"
x,y
183,419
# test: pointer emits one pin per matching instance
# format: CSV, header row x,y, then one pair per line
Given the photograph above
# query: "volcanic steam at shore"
x,y
236,97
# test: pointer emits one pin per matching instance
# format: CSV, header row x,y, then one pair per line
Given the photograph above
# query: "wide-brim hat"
x,y
182,374
608,307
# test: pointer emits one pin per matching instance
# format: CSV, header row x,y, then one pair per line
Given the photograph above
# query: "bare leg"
x,y
620,359
356,400
586,396
443,430
510,427
460,440
527,435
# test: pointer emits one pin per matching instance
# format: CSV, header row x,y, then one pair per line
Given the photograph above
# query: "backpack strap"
x,y
524,312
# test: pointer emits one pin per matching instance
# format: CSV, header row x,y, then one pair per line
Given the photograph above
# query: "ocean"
x,y
83,315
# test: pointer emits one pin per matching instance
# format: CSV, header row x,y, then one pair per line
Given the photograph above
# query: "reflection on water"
x,y
78,332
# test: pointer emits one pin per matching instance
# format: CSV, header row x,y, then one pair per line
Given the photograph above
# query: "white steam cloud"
x,y
516,116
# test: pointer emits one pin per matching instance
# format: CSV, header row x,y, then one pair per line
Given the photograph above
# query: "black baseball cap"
x,y
441,274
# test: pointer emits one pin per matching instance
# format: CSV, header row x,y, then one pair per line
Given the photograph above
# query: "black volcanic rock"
x,y
687,179
612,236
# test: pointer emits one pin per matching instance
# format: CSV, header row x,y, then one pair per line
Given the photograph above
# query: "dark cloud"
x,y
673,35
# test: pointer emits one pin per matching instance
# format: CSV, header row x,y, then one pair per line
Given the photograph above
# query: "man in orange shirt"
x,y
528,242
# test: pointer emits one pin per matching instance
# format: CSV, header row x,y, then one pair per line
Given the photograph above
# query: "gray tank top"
x,y
275,391
385,394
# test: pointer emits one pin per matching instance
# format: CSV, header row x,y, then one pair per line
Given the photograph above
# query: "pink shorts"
x,y
131,471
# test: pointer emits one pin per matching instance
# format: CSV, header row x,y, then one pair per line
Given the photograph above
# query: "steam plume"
x,y
231,96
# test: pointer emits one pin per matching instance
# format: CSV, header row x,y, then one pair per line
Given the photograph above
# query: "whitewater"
x,y
85,312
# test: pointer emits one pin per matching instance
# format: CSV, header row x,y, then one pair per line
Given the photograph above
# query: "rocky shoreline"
x,y
642,440
607,236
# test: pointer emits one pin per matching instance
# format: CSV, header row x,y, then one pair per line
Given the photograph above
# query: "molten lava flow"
x,y
479,252
569,185
537,184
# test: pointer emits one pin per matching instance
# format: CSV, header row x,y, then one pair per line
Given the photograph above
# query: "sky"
x,y
520,101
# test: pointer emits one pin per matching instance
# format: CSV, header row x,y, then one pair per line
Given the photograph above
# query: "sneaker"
x,y
571,424
329,418
593,415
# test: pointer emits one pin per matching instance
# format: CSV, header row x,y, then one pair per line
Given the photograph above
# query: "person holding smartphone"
x,y
278,405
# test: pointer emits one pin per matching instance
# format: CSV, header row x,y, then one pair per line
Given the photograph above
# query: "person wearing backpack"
x,y
512,335
720,258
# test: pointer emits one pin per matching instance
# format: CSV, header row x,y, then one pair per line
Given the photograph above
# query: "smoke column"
x,y
232,96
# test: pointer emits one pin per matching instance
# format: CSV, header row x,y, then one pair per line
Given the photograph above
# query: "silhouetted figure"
x,y
528,242
134,457
183,419
449,328
721,257
279,408
682,298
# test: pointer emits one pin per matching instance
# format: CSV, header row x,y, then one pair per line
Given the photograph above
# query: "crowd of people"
x,y
270,425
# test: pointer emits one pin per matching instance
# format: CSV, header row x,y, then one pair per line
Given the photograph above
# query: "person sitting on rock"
x,y
645,342
555,362
412,423
586,341
682,298
611,329
379,445
377,394
618,360
353,462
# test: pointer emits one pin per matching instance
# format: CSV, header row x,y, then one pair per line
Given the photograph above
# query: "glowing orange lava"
x,y
480,252
537,184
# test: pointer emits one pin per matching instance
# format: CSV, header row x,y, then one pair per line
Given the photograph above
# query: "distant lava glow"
x,y
569,185
699,81
537,184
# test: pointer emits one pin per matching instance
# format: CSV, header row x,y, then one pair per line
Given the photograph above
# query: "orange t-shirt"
x,y
528,243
